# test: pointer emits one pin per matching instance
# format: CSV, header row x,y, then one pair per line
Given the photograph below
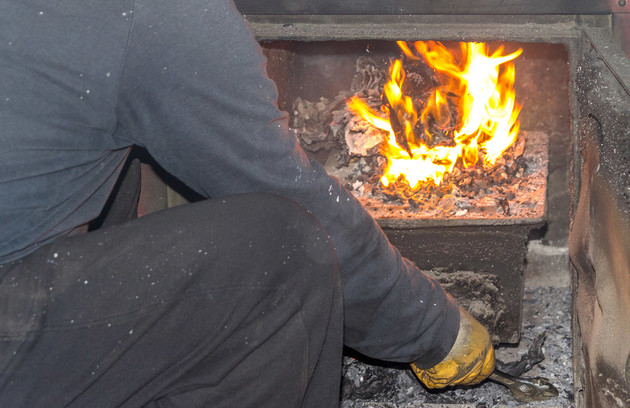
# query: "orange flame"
x,y
481,86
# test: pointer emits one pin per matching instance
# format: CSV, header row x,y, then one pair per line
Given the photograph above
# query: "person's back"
x,y
58,160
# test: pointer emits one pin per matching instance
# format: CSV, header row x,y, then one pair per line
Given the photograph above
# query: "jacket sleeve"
x,y
205,109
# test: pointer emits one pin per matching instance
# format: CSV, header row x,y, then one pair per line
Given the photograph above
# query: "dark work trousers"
x,y
231,302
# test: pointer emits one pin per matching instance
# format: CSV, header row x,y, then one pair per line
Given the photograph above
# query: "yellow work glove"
x,y
470,361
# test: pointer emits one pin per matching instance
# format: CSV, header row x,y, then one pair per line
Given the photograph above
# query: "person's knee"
x,y
292,226
266,232
302,247
294,223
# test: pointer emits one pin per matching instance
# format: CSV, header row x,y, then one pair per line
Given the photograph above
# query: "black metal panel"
x,y
402,7
496,252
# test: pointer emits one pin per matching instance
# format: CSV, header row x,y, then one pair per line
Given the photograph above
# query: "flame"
x,y
481,86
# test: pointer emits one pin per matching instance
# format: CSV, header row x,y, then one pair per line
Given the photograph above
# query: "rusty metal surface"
x,y
621,31
600,235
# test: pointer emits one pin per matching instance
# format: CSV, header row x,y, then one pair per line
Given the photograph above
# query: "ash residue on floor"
x,y
545,310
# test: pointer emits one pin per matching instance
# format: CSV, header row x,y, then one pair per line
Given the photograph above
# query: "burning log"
x,y
397,126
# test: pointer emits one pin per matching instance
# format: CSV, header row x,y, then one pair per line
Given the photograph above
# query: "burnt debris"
x,y
349,148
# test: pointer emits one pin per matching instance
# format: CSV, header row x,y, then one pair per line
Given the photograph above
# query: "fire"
x,y
482,126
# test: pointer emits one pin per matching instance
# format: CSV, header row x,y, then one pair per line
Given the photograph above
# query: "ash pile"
x,y
349,148
544,351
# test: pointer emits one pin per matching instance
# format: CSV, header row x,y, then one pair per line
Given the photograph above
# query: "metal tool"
x,y
526,389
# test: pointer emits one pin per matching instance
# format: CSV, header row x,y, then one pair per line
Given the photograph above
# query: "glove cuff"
x,y
448,335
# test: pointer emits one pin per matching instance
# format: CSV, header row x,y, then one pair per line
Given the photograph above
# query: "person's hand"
x,y
470,361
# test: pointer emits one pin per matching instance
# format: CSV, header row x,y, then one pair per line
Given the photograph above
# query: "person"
x,y
243,299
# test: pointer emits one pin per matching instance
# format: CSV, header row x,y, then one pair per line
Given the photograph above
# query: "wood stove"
x,y
575,88
589,151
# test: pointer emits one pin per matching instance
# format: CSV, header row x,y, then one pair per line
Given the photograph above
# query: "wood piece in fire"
x,y
397,127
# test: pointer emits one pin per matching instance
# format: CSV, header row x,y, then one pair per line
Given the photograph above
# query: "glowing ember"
x,y
482,126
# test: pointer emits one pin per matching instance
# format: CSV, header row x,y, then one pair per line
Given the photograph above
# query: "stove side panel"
x,y
599,241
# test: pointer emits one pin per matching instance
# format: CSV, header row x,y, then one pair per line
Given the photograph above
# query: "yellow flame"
x,y
482,87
